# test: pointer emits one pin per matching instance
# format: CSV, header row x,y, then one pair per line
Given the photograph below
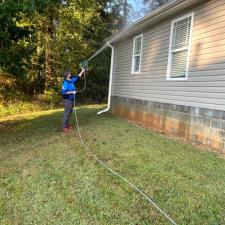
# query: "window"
x,y
180,45
137,51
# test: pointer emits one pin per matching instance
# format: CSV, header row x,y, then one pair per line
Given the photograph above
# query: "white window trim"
x,y
133,56
188,48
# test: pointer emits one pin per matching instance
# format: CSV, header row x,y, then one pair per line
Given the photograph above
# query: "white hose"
x,y
117,174
85,84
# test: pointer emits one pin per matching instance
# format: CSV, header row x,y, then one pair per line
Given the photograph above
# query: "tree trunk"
x,y
125,13
49,33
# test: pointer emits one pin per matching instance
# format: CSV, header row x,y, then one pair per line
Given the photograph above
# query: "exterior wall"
x,y
205,86
204,90
198,125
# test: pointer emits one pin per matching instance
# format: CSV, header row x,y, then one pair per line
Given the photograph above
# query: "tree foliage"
x,y
39,39
154,4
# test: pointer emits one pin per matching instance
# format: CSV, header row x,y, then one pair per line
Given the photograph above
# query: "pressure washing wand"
x,y
98,52
84,64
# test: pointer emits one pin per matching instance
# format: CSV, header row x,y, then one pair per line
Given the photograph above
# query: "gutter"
x,y
110,80
162,12
142,21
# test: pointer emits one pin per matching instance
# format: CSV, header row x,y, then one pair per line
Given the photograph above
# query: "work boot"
x,y
70,127
66,130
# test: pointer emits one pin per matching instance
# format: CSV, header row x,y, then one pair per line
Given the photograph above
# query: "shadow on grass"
x,y
27,130
45,119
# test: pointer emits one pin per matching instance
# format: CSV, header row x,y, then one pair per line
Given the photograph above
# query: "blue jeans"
x,y
68,105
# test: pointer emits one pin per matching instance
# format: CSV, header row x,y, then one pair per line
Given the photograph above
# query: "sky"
x,y
139,7
137,4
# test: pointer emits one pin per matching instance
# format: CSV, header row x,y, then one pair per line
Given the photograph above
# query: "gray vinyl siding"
x,y
205,86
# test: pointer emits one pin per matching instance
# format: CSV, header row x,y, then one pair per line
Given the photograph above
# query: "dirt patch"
x,y
7,124
189,133
4,171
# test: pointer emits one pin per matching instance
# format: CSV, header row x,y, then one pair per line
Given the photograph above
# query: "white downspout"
x,y
110,80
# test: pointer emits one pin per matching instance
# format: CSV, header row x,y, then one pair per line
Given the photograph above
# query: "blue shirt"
x,y
68,85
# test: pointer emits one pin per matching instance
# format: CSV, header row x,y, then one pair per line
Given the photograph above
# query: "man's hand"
x,y
82,72
71,92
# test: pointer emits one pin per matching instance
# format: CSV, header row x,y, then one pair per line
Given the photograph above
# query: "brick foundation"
x,y
198,125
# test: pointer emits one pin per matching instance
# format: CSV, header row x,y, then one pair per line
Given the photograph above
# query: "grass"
x,y
21,107
47,178
20,103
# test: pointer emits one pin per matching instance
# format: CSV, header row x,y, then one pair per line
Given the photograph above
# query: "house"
x,y
168,71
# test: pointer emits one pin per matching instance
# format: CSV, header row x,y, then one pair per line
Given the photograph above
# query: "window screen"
x,y
180,47
136,61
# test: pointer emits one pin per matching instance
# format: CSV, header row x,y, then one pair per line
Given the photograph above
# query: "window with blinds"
x,y
137,51
180,43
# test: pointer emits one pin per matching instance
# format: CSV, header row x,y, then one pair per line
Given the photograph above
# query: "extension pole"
x,y
98,52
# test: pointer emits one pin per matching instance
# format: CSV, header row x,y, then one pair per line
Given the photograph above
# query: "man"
x,y
68,93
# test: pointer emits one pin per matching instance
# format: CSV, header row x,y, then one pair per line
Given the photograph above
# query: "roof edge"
x,y
152,18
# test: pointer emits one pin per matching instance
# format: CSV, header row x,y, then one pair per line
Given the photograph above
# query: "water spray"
x,y
98,52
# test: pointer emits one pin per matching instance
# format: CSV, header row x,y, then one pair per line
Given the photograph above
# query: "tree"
x,y
42,18
10,35
81,30
18,33
40,39
154,4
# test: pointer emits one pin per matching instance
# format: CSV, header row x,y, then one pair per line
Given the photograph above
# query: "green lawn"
x,y
47,178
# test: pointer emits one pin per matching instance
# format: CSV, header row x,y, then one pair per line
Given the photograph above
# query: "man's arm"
x,y
76,78
81,73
